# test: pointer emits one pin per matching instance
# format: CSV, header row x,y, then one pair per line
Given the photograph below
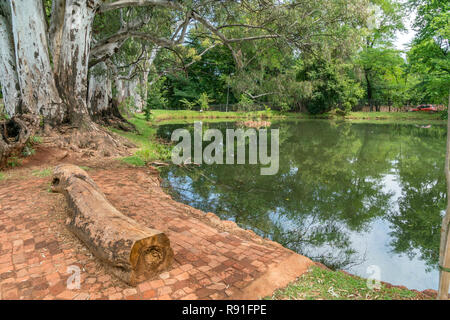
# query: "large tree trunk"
x,y
8,79
37,85
103,109
128,92
74,58
100,94
132,251
55,30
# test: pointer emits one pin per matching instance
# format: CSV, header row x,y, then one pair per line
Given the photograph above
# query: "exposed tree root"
x,y
112,117
15,134
92,141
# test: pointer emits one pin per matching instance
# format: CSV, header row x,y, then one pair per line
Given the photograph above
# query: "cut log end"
x,y
131,251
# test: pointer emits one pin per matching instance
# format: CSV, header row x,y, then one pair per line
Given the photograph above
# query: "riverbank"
x,y
317,283
168,116
150,148
33,265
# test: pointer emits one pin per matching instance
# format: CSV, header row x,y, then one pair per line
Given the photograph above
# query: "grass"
x,y
42,173
321,284
150,148
167,116
2,176
164,115
394,116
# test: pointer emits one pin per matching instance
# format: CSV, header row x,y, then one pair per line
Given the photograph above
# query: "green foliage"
x,y
428,56
156,98
13,162
284,107
188,104
203,101
330,86
245,103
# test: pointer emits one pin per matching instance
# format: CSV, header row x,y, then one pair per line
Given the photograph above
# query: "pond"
x,y
349,195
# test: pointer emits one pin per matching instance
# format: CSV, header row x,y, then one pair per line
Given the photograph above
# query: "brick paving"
x,y
37,253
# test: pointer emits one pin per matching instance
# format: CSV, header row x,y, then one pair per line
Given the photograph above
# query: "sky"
x,y
403,38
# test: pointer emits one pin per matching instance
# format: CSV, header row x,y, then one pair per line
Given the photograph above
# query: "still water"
x,y
349,195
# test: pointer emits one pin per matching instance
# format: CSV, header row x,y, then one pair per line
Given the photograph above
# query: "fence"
x,y
392,109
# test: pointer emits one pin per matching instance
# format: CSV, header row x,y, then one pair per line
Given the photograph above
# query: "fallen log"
x,y
131,251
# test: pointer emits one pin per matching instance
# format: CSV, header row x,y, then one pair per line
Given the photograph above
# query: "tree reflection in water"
x,y
331,184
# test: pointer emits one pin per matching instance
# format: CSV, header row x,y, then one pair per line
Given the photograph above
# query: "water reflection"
x,y
346,194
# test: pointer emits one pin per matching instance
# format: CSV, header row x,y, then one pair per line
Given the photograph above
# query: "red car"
x,y
426,108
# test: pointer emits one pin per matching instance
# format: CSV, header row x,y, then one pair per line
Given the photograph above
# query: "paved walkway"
x,y
213,259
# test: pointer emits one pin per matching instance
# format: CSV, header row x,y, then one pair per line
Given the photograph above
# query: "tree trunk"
x,y
103,109
132,251
8,74
100,94
148,63
37,85
72,74
368,89
55,31
128,91
444,250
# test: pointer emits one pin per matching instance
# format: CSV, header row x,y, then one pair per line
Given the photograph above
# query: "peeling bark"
x,y
103,109
130,89
8,73
100,94
37,85
74,58
133,252
55,30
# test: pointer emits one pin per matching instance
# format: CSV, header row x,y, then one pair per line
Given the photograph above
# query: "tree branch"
x,y
138,3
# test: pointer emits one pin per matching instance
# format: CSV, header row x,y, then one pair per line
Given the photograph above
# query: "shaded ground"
x,y
213,259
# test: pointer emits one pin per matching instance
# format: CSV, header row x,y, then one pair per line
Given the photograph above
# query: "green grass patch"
x,y
134,161
36,140
150,148
13,162
165,115
174,116
320,284
42,173
394,115
2,176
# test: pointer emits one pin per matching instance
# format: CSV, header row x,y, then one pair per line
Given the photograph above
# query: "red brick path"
x,y
36,249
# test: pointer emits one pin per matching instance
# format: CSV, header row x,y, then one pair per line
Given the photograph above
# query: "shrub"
x,y
188,104
203,101
245,103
